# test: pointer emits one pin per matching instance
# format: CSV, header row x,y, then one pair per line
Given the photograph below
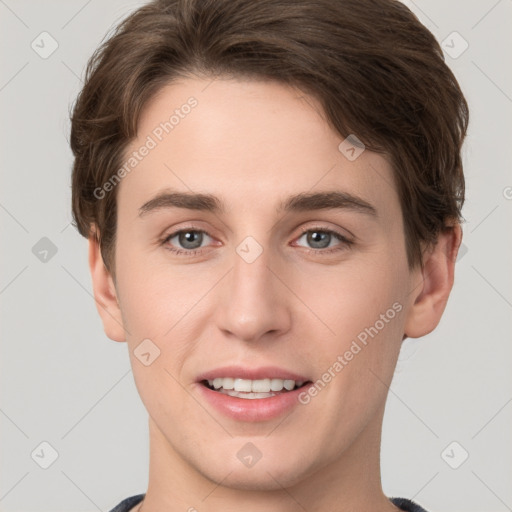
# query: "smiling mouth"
x,y
253,389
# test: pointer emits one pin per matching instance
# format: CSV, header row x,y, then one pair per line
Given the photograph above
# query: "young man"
x,y
271,191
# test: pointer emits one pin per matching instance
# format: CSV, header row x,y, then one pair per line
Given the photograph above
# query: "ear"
x,y
436,281
105,293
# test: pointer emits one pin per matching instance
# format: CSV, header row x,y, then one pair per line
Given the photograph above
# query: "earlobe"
x,y
105,293
436,281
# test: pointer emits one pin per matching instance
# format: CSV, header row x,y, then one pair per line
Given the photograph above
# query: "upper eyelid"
x,y
327,230
200,230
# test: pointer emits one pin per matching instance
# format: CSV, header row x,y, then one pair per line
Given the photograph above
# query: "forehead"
x,y
246,139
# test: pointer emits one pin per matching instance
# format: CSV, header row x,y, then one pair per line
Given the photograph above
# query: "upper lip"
x,y
240,372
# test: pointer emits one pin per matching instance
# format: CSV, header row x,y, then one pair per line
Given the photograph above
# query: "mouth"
x,y
253,389
252,394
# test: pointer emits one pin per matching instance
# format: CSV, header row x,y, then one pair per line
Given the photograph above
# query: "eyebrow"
x,y
306,201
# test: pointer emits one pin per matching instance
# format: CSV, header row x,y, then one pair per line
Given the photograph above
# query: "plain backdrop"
x,y
446,436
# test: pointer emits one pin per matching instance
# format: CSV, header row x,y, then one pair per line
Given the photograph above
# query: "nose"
x,y
253,302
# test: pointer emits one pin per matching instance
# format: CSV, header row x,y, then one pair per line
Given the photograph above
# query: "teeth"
x,y
228,383
241,394
254,386
243,385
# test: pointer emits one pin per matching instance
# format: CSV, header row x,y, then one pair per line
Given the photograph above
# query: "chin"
x,y
264,478
273,471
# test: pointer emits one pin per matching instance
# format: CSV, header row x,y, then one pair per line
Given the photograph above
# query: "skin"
x,y
290,308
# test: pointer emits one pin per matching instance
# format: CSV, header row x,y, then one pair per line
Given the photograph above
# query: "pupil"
x,y
318,243
188,238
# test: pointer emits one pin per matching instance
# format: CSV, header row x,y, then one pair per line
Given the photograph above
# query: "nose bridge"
x,y
252,304
251,275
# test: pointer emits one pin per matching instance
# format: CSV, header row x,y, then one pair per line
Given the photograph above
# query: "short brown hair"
x,y
376,70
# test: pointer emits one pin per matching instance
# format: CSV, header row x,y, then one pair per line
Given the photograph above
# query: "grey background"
x,y
64,382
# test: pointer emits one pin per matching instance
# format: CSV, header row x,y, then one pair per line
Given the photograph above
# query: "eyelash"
x,y
346,243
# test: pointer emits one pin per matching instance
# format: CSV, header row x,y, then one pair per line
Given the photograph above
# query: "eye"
x,y
187,240
320,239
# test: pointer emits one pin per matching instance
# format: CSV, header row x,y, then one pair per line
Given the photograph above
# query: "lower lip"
x,y
257,409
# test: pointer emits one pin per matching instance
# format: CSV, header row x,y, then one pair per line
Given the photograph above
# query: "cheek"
x,y
351,297
362,312
153,297
355,362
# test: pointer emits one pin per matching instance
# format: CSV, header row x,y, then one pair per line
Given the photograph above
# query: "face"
x,y
292,271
